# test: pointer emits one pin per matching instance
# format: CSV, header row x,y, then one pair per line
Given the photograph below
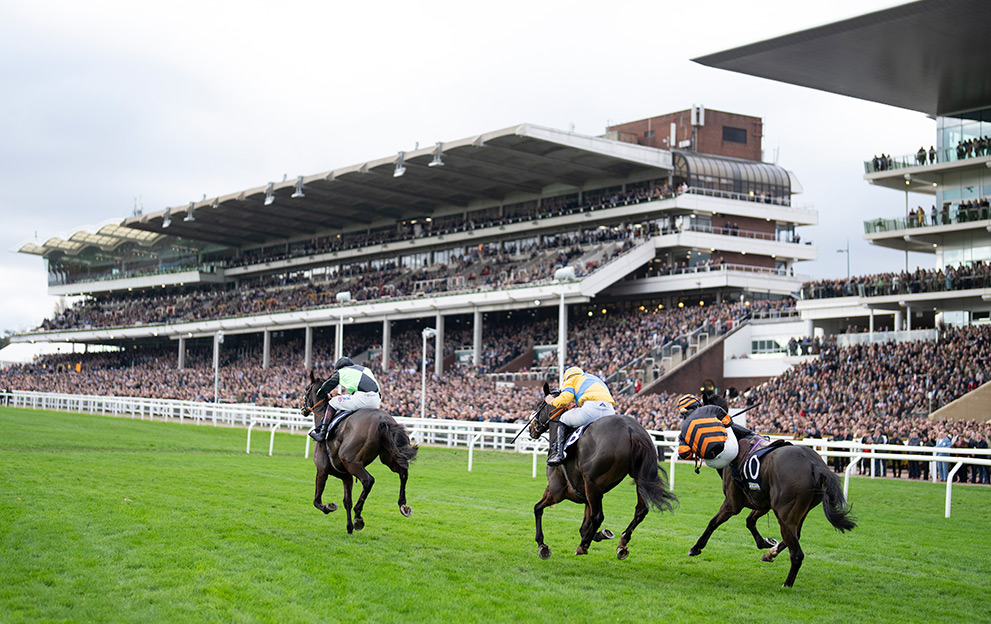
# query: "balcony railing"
x,y
952,215
889,163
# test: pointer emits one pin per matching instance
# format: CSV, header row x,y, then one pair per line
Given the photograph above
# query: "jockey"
x,y
593,401
351,387
708,432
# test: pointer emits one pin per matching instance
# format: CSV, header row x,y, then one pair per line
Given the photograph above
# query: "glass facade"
x,y
730,175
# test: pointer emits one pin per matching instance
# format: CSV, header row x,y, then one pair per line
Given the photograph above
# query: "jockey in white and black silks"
x,y
708,433
351,387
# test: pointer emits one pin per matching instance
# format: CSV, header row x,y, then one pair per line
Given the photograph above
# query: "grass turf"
x,y
119,520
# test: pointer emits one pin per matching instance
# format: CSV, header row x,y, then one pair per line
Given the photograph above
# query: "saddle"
x,y
746,469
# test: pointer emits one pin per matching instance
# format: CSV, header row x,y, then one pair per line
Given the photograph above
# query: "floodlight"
x,y
299,188
167,220
565,274
269,197
438,162
189,213
400,169
429,332
344,296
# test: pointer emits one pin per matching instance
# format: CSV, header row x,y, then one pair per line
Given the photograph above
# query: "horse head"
x,y
310,402
542,414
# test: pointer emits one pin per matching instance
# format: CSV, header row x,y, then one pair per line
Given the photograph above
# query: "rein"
x,y
309,410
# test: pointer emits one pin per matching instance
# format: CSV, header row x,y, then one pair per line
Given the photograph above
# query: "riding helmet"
x,y
341,363
688,403
571,372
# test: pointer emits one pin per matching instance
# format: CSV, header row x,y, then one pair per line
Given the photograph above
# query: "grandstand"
x,y
467,237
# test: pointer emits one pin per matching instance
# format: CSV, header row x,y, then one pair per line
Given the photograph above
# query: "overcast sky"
x,y
102,102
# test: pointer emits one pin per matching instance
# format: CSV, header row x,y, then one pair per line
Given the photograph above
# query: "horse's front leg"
x,y
639,513
762,542
549,498
593,517
321,483
726,511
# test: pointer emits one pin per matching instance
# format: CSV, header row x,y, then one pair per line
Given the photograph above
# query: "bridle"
x,y
305,409
539,425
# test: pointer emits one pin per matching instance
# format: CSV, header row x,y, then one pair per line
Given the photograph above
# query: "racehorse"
x,y
357,441
609,449
794,480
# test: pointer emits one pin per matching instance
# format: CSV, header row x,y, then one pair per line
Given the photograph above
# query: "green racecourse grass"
x,y
119,520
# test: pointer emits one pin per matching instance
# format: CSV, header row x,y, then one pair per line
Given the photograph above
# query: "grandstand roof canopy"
x,y
927,56
495,166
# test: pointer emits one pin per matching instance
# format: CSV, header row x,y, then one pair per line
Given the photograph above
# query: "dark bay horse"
x,y
794,480
610,449
357,441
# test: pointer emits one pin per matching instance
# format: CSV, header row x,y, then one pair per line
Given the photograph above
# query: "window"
x,y
648,134
734,135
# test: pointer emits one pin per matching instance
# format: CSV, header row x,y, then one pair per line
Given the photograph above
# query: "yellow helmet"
x,y
688,403
571,372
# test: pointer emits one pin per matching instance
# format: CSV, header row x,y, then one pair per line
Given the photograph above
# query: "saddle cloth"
x,y
573,438
337,420
747,471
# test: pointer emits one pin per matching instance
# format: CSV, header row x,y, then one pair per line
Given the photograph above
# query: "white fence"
x,y
463,434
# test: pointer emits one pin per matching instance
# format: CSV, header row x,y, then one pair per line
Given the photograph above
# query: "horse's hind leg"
x,y
549,498
752,519
348,482
367,481
790,519
403,476
639,513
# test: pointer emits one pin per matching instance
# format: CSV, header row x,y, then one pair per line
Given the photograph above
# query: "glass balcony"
x,y
919,159
952,214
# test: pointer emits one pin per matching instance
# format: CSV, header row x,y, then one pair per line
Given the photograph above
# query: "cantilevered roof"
x,y
108,238
494,166
930,56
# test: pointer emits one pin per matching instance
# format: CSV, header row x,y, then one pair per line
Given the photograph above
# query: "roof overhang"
x,y
927,56
492,168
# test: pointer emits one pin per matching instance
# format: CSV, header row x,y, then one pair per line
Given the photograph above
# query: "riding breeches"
x,y
358,400
587,412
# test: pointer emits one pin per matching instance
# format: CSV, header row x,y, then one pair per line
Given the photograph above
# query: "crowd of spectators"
x,y
480,268
963,277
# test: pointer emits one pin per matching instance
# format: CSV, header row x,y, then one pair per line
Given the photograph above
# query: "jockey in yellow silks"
x,y
593,401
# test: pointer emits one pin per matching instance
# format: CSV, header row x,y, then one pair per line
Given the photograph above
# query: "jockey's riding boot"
x,y
319,433
555,454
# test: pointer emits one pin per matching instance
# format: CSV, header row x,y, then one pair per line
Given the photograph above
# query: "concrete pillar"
x,y
476,343
182,353
898,320
386,343
308,349
266,348
908,318
562,339
439,347
870,328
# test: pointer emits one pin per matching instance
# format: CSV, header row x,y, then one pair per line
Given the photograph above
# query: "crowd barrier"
x,y
473,435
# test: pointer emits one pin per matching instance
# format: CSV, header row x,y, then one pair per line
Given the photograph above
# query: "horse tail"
x,y
396,442
644,471
834,504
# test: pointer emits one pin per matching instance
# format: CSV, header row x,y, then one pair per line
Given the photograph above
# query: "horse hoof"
x,y
694,553
359,524
607,534
581,551
771,542
767,559
622,552
329,508
544,551
405,510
